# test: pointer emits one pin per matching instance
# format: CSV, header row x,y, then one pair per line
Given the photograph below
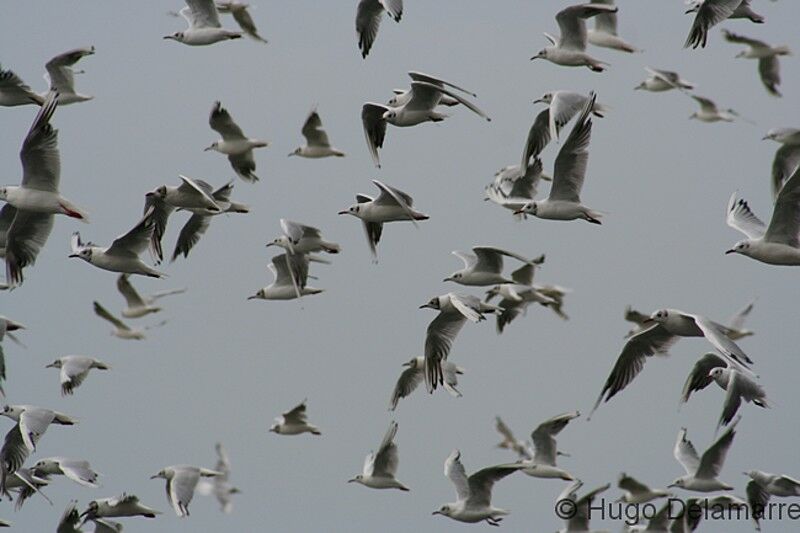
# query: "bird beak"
x,y
207,148
51,365
648,320
351,480
290,154
672,484
345,212
765,137
169,37
253,297
731,251
154,476
519,211
270,244
425,306
538,100
73,255
436,512
447,279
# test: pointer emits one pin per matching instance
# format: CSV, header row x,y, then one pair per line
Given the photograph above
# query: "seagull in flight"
x,y
317,143
204,26
380,468
234,143
59,74
242,18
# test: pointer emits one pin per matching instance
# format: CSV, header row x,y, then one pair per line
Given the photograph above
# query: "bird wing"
x,y
386,458
757,500
524,274
482,481
709,13
368,20
784,227
740,387
102,312
439,339
572,23
425,96
686,453
137,239
159,212
699,377
313,132
785,163
712,460
79,471
41,164
454,470
538,137
580,521
741,218
631,484
201,14
242,17
543,438
391,196
374,127
741,39
606,22
409,380
12,86
716,335
420,76
469,259
769,69
190,235
25,238
296,415
706,104
73,372
132,298
59,69
221,122
572,159
524,186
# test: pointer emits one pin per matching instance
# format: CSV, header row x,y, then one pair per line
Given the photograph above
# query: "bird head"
x,y
83,253
352,210
54,364
529,208
295,152
455,276
741,247
546,98
434,303
444,510
160,474
177,36
260,295
358,479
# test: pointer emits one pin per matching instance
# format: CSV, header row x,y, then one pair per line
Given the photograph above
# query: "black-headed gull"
x,y
291,276
77,470
485,266
220,485
204,26
413,375
380,467
299,238
294,422
545,451
563,105
769,69
317,143
60,75
702,471
242,18
74,369
663,80
181,482
137,305
234,143
123,505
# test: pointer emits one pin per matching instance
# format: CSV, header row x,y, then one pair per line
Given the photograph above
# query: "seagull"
x,y
709,112
198,223
317,143
27,218
604,33
291,274
124,505
294,422
6,327
566,104
454,311
204,27
474,493
663,80
763,485
664,328
778,243
181,482
637,492
512,189
768,67
121,330
701,472
26,484
787,158
543,462
21,440
74,369
569,49
564,201
78,470
577,519
485,266
136,305
234,143
712,12
380,467
519,294
59,74
739,386
411,378
734,329
242,18
391,205
419,108
219,485
302,239
123,253
402,96
368,19
510,442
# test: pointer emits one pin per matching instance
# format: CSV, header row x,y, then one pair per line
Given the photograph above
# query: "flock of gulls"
x,y
30,208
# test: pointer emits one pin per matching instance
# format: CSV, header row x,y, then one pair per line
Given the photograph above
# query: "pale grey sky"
x,y
224,367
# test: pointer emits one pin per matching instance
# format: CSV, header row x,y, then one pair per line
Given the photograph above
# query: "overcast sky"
x,y
223,367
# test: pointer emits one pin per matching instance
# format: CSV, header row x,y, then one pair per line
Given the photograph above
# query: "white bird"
x,y
605,34
563,105
779,485
769,68
78,470
564,202
420,107
291,275
580,510
454,311
220,485
517,296
301,239
59,74
663,80
712,12
569,49
368,20
124,505
545,451
294,422
27,218
317,143
664,328
391,205
123,253
402,96
510,442
204,26
702,472
474,493
74,369
778,243
137,305
21,440
512,189
121,329
181,482
709,112
234,143
198,223
636,492
736,329
380,468
787,157
485,266
242,18
412,376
